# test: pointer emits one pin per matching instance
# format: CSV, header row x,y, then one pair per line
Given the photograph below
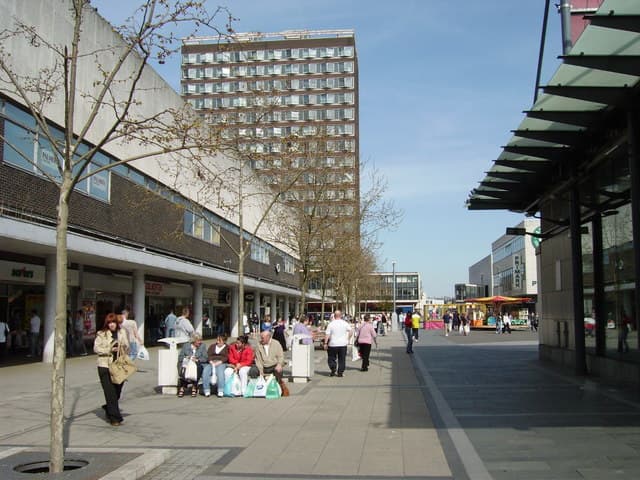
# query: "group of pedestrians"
x,y
341,333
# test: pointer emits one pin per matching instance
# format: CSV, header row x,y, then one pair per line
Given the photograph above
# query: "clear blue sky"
x,y
442,83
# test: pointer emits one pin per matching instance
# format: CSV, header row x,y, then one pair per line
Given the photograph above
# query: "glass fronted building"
x,y
575,161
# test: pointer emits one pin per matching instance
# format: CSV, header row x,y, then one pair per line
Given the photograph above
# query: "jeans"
x,y
339,353
408,331
133,350
207,371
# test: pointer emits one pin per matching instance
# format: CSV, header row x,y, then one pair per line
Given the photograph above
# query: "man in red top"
x,y
240,360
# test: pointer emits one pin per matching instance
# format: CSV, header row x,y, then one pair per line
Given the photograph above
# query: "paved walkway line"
x,y
469,457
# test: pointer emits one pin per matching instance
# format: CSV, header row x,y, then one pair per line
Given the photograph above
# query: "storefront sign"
x,y
17,272
21,273
517,272
153,289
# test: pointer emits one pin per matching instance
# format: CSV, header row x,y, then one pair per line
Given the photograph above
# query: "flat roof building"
x,y
290,101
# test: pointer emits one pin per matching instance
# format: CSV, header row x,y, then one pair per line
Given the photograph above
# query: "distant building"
x,y
514,262
378,296
480,274
271,88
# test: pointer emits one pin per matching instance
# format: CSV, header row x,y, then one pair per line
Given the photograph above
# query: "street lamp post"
x,y
394,314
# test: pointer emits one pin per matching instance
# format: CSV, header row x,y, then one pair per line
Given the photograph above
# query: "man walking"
x,y
415,325
337,337
131,327
408,331
170,324
446,321
34,333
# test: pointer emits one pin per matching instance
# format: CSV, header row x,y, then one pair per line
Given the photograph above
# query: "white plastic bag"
x,y
191,371
355,353
214,378
260,390
143,353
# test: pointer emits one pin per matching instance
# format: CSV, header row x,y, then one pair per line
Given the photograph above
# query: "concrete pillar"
x,y
197,306
274,307
138,301
48,317
80,295
285,310
235,321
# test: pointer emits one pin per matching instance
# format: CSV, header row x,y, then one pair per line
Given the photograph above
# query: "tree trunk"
x,y
56,447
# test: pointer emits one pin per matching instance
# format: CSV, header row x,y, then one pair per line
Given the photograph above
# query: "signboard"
x,y
517,272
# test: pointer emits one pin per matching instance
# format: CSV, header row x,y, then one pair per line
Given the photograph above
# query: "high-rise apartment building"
x,y
291,100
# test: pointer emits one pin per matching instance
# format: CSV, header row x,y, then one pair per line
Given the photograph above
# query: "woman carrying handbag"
x,y
110,342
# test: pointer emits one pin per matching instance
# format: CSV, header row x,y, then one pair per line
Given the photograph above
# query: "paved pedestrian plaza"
x,y
476,407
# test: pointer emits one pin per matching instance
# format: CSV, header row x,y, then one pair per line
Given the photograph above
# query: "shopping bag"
x,y
191,371
251,386
143,353
121,368
273,389
260,389
214,378
233,386
355,353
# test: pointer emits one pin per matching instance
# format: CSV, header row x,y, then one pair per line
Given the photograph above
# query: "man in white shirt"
x,y
131,327
34,333
337,337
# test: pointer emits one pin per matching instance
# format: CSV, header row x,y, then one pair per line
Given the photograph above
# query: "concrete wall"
x,y
101,44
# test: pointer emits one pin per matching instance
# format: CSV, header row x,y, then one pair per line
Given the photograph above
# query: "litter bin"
x,y
301,359
168,365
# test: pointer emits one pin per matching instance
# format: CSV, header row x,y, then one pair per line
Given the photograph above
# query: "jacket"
x,y
366,333
104,341
275,356
244,357
223,356
187,352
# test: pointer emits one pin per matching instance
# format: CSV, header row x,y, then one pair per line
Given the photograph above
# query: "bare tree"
x,y
100,95
252,189
342,254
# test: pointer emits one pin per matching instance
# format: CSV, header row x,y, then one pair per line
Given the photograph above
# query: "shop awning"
x,y
592,87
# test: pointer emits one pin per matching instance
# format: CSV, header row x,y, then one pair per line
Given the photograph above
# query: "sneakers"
x,y
340,374
220,394
207,394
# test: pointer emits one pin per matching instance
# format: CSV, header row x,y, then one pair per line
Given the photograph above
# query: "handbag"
x,y
122,367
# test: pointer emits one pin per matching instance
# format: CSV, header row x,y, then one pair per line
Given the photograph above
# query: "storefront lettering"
x,y
153,288
22,273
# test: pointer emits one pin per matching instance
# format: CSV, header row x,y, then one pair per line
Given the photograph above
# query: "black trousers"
x,y
272,369
339,353
365,352
111,395
183,382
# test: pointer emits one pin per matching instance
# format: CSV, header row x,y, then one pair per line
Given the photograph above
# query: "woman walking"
x,y
365,337
110,342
